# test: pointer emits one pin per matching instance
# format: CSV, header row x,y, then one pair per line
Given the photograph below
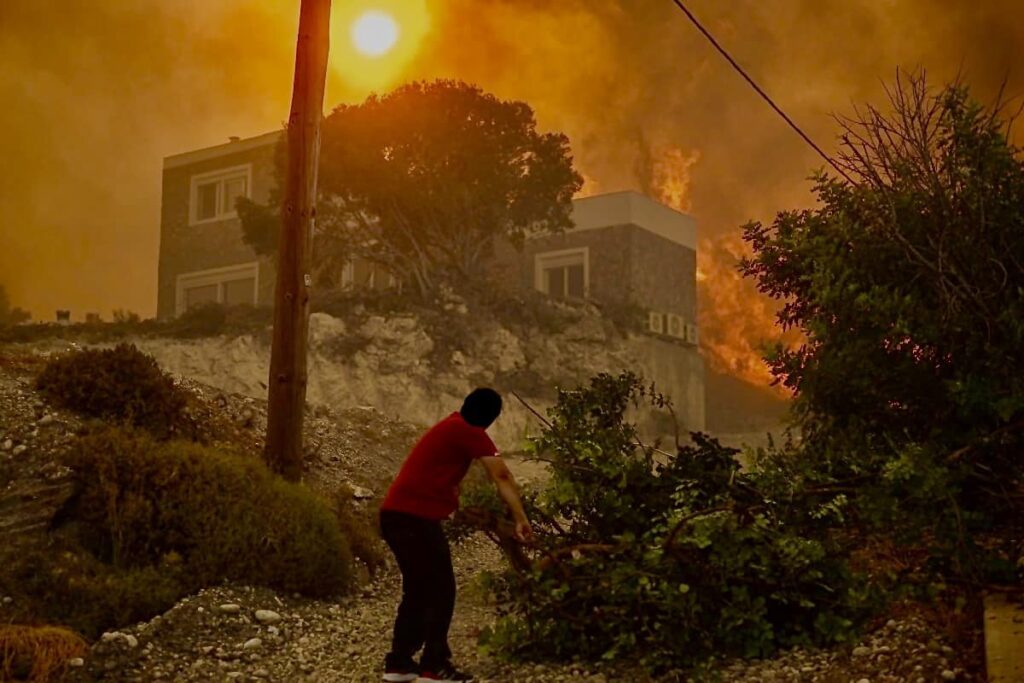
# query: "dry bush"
x,y
226,517
37,653
121,384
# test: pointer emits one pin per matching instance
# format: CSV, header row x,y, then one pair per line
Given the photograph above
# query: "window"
x,y
563,274
231,286
214,194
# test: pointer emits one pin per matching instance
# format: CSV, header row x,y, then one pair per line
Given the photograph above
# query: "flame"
x,y
671,175
737,323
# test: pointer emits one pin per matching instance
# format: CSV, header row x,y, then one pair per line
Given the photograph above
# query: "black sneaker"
x,y
405,672
445,674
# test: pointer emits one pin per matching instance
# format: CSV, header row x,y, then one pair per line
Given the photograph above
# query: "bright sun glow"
x,y
374,33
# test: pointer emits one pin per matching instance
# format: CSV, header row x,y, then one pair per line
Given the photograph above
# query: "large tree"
x,y
908,284
427,179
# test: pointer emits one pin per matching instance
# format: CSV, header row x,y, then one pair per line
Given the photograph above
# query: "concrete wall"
x,y
187,248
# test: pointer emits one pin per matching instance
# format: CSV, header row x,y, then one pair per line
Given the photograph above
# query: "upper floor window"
x,y
214,194
563,274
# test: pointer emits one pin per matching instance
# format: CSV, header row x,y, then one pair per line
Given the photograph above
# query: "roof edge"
x,y
197,155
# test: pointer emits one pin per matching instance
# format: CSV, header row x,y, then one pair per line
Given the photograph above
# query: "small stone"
x,y
19,449
948,675
8,600
132,641
361,493
891,623
267,616
76,662
8,445
864,680
273,630
230,608
252,644
861,651
46,420
110,636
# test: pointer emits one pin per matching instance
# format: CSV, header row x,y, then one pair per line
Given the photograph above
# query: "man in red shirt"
x,y
425,492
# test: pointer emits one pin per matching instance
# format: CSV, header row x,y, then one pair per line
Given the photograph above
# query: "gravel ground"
x,y
218,635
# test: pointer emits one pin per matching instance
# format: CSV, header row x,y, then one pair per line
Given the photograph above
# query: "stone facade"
x,y
188,245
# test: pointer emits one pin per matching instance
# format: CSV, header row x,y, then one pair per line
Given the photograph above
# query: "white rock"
x,y
132,641
267,616
948,675
361,493
864,680
230,608
45,420
252,644
76,662
861,651
8,445
18,450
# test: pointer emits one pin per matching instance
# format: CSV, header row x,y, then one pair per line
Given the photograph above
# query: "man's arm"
x,y
509,492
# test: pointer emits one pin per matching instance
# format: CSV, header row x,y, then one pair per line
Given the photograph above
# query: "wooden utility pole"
x,y
287,384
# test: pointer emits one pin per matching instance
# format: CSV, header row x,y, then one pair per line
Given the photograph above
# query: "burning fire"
x,y
737,323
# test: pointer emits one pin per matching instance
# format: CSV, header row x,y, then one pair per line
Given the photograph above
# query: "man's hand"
x,y
509,492
524,532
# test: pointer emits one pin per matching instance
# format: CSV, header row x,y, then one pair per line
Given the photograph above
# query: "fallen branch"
x,y
670,539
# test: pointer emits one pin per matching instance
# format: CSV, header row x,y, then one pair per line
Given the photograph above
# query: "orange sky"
x,y
95,93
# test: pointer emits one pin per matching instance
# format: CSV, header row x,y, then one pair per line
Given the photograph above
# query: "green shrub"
x,y
67,585
671,559
142,501
121,384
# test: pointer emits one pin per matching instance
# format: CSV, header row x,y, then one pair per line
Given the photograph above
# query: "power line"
x,y
762,93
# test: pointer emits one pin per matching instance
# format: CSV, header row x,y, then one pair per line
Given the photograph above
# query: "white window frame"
x,y
216,276
545,258
219,176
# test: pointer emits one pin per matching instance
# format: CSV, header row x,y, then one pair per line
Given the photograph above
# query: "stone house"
x,y
625,249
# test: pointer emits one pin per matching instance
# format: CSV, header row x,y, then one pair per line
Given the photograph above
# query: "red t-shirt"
x,y
428,483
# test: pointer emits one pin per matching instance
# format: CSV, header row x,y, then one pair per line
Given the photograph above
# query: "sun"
x,y
374,33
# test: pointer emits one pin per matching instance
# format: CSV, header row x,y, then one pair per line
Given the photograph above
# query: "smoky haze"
x,y
96,93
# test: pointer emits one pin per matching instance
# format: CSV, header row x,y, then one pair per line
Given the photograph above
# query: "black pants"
x,y
428,588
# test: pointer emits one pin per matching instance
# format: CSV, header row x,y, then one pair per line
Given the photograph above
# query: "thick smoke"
x,y
96,93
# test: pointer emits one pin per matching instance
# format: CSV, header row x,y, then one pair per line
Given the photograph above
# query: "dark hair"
x,y
482,407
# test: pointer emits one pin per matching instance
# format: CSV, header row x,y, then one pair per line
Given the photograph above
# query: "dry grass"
x,y
37,653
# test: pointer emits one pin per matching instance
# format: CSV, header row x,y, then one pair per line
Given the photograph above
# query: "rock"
x,y
948,675
361,493
230,608
110,636
266,616
864,680
76,662
132,641
252,644
8,445
861,651
46,420
19,449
